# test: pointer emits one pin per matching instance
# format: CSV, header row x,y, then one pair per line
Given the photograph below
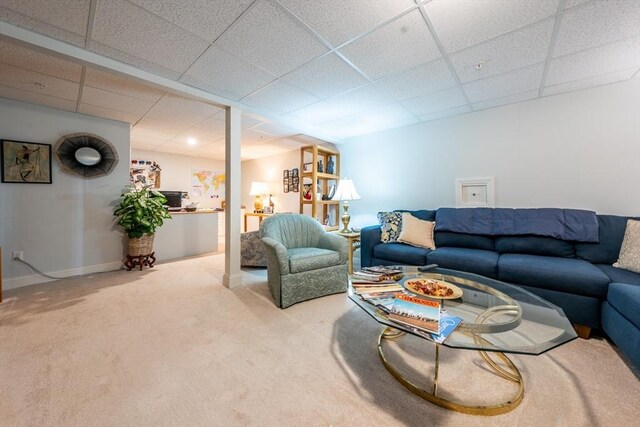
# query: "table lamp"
x,y
258,189
346,192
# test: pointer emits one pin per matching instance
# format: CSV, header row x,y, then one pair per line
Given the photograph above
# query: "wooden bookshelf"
x,y
320,183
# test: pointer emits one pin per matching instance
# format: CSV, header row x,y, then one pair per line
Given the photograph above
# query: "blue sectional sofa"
x,y
576,276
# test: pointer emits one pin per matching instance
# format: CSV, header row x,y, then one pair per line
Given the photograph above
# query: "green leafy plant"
x,y
141,211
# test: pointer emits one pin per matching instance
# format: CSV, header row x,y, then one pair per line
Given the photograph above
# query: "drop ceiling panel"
x,y
511,83
62,19
205,18
358,100
163,126
140,34
397,46
279,98
121,85
251,135
515,50
247,120
597,23
143,132
266,36
210,128
191,105
225,74
30,81
114,101
594,62
320,112
590,82
464,23
143,146
386,117
175,118
446,113
108,113
248,152
36,98
511,99
29,59
325,77
339,21
274,129
423,79
572,3
436,101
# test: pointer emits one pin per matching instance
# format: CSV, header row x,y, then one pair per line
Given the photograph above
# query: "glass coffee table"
x,y
497,318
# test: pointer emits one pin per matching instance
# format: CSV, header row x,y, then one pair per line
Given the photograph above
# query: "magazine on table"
x,y
448,324
416,312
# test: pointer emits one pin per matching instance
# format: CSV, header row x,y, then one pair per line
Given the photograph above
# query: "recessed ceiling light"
x,y
192,141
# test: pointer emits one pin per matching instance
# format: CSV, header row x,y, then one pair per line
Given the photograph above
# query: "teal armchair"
x,y
303,260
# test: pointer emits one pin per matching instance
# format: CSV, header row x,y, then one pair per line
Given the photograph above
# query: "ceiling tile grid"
x,y
597,23
138,33
511,83
280,98
515,50
317,113
423,79
602,79
605,59
339,21
510,99
446,113
436,101
31,81
358,100
464,23
62,19
372,121
121,85
225,74
37,98
205,18
29,59
108,113
326,76
394,47
268,37
114,101
196,107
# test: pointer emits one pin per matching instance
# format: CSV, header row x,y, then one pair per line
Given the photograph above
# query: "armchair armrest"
x,y
335,243
369,237
279,252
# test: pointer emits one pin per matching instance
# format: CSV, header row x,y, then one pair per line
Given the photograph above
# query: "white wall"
x,y
176,173
576,150
66,227
270,170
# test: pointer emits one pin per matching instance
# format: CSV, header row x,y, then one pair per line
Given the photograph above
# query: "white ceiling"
x,y
347,67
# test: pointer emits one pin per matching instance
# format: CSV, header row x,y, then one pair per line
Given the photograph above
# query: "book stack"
x,y
377,274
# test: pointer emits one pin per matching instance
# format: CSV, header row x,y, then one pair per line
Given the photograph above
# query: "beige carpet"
x,y
172,347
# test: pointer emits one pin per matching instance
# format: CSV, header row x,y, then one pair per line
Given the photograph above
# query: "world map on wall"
x,y
206,183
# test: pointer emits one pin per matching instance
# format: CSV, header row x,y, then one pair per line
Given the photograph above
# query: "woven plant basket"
x,y
141,246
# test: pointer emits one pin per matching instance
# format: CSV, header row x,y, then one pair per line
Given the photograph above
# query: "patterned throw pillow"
x,y
416,232
390,226
629,257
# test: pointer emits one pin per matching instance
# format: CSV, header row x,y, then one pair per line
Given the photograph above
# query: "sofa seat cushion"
x,y
534,245
401,253
475,261
626,299
573,276
305,259
620,275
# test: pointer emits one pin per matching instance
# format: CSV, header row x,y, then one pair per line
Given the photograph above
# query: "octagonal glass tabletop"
x,y
496,316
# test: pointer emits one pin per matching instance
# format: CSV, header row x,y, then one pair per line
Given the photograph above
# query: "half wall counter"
x,y
187,234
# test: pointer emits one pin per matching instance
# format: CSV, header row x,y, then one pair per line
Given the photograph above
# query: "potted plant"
x,y
140,212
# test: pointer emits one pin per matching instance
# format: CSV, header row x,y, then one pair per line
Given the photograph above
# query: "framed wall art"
x,y
25,162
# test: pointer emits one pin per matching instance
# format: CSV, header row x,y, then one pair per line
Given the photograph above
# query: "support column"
x,y
232,274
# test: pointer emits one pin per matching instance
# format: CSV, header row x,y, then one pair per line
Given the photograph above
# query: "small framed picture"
x,y
307,167
25,162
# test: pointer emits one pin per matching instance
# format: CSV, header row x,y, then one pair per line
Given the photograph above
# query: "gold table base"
x,y
511,373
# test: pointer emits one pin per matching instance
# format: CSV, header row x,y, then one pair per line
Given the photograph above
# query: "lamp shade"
x,y
346,191
258,188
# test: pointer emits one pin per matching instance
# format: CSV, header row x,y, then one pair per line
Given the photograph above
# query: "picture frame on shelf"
x,y
25,162
307,167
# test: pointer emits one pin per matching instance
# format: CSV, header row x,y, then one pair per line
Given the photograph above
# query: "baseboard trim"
x,y
33,279
232,281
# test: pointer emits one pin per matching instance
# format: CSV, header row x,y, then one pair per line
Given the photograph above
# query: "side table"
x,y
353,238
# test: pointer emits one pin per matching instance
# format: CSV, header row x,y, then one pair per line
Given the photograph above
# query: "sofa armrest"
x,y
276,250
336,243
369,237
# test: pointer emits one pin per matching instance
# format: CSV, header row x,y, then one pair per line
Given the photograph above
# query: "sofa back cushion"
x,y
534,245
611,232
461,240
423,214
